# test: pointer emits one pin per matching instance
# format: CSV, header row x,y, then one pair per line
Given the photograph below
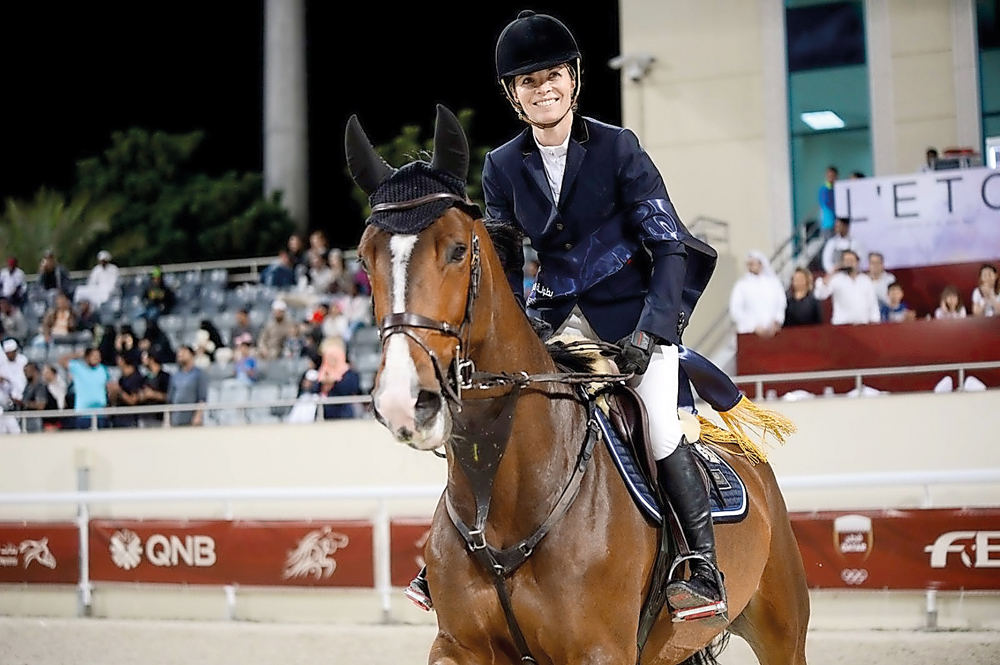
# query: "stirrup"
x,y
688,604
418,596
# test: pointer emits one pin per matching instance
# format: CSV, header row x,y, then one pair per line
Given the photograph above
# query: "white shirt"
x,y
979,301
11,281
854,299
13,372
554,161
102,281
757,301
834,247
882,286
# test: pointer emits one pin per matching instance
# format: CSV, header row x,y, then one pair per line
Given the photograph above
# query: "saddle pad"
x,y
727,493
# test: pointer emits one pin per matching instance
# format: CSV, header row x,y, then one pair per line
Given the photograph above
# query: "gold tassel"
x,y
747,415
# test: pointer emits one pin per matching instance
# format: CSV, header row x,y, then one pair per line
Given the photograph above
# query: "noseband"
x,y
460,376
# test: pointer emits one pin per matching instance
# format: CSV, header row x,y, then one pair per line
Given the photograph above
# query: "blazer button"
x,y
568,246
559,226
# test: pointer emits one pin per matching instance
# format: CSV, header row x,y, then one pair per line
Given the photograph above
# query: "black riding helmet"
x,y
532,42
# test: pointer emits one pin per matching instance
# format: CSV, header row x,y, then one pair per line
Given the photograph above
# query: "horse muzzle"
x,y
421,422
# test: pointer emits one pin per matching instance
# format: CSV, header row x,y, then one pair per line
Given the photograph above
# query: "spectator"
x,y
280,273
246,369
826,205
13,284
309,382
242,326
36,398
335,259
128,390
336,378
320,276
56,385
880,278
757,302
123,340
802,308
297,253
156,390
951,306
188,385
87,318
931,156
101,283
204,349
318,246
984,297
158,298
58,322
355,306
895,310
12,321
332,322
53,277
837,244
854,299
276,332
156,342
214,336
12,363
90,385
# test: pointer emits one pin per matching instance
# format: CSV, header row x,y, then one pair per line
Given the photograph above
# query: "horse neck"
x,y
549,422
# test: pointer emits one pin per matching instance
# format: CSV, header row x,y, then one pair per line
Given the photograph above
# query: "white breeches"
x,y
657,388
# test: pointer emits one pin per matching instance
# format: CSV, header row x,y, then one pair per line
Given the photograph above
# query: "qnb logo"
x,y
127,550
982,543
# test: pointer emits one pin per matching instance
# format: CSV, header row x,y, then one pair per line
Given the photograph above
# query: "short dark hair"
x,y
846,221
895,285
878,254
188,347
851,252
833,168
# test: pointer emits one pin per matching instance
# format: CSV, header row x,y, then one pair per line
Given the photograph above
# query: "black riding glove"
x,y
542,328
636,350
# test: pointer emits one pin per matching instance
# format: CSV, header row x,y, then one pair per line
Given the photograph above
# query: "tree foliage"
x,y
168,213
408,146
142,201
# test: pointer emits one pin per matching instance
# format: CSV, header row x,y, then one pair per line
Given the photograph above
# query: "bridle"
x,y
405,323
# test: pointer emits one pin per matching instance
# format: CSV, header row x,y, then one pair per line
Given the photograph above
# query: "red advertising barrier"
x,y
317,554
46,553
408,537
901,549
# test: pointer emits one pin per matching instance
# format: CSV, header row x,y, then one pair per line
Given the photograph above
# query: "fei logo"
x,y
984,543
127,550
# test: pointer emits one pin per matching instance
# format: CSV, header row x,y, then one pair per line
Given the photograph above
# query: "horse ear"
x,y
451,148
367,168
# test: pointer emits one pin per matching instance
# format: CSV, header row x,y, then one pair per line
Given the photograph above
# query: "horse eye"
x,y
458,253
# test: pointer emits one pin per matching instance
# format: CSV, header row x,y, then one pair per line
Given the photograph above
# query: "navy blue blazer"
x,y
614,245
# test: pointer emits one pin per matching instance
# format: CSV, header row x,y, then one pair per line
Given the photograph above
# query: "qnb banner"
x,y
922,219
408,539
317,554
45,553
901,549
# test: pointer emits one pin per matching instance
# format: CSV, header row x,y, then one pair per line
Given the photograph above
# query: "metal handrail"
x,y
859,374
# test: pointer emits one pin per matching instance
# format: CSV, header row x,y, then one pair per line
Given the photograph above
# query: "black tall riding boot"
x,y
419,592
702,595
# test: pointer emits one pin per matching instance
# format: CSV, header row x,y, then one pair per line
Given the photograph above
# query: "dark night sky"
x,y
75,72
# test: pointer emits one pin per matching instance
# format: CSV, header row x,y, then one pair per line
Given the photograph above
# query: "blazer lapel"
x,y
536,172
574,157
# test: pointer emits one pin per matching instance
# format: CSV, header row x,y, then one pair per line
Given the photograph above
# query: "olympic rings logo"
x,y
854,576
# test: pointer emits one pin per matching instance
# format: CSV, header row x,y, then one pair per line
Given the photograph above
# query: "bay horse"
x,y
448,318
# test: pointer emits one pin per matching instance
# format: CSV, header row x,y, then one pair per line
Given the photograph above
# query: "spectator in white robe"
x,y
854,299
101,283
757,302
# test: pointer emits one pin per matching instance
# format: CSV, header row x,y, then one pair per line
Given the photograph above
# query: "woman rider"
x,y
616,262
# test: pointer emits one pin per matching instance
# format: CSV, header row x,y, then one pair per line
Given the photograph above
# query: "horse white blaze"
x,y
396,395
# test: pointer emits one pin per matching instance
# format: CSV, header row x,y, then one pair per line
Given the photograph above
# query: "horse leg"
x,y
445,650
775,620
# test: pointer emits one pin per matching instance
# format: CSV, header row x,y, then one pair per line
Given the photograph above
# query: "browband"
x,y
413,203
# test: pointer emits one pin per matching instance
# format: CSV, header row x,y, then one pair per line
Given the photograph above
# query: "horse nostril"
x,y
427,407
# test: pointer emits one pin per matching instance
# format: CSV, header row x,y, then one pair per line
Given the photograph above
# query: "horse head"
x,y
423,254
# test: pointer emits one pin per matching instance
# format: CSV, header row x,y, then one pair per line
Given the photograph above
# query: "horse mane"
x,y
507,239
